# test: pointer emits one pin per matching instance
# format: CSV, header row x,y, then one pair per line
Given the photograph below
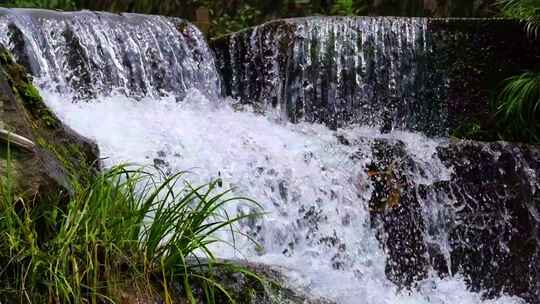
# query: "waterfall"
x,y
354,214
89,54
372,71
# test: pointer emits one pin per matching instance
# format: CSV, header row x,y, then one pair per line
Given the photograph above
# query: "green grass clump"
x,y
518,108
123,230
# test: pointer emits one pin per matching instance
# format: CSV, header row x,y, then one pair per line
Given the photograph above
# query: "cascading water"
x,y
373,71
151,97
88,53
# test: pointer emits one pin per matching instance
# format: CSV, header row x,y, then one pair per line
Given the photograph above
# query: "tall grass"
x,y
124,230
518,108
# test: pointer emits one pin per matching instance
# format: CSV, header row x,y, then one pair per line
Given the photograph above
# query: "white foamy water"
x,y
315,194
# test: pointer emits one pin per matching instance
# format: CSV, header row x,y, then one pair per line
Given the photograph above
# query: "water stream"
x,y
315,191
152,97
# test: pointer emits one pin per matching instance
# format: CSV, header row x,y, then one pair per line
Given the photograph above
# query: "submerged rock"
x,y
397,213
481,222
271,290
38,152
268,288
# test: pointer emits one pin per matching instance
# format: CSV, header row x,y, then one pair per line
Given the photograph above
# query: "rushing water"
x,y
151,96
374,71
314,191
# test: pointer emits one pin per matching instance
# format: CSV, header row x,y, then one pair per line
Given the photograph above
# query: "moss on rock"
x,y
60,154
22,85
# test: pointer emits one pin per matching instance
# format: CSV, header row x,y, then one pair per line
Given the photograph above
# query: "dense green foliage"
x,y
124,231
518,108
525,10
226,22
344,8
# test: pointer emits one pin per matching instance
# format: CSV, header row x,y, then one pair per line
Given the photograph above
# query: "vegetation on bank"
x,y
517,106
527,11
125,231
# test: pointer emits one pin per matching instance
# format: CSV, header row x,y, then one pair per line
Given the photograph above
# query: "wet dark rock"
x,y
343,140
248,290
160,162
17,39
243,288
496,195
165,167
397,215
79,76
283,190
279,293
489,207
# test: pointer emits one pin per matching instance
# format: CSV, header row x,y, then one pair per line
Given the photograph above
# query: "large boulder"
x,y
39,154
482,221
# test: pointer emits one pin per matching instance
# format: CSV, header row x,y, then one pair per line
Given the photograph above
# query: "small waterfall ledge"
x,y
393,73
85,53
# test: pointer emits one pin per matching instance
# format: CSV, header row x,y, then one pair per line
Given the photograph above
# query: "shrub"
x,y
343,7
518,108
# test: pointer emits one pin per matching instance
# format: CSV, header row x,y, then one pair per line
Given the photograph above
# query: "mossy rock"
x,y
253,284
269,288
59,154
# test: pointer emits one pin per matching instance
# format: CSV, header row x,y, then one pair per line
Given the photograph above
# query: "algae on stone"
x,y
59,155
